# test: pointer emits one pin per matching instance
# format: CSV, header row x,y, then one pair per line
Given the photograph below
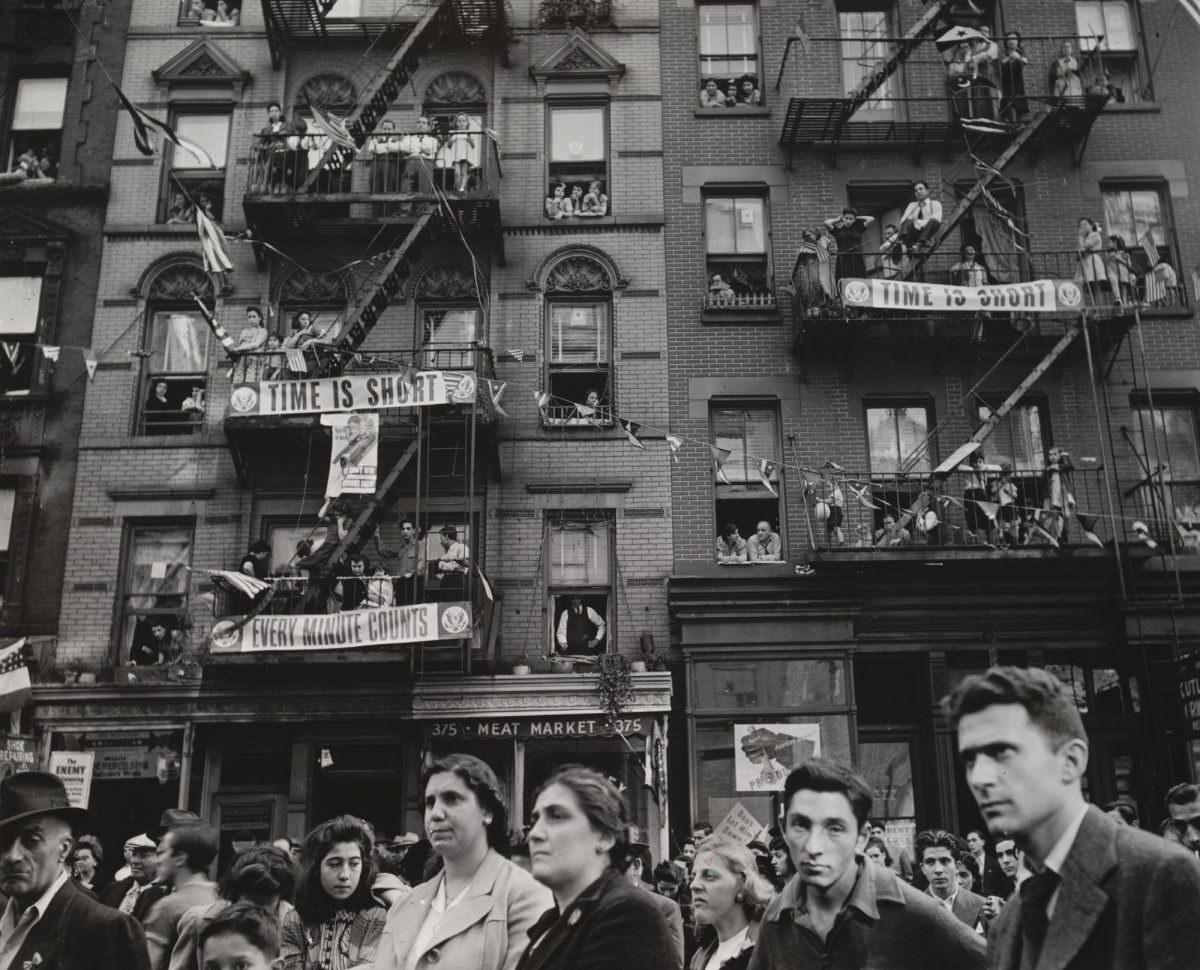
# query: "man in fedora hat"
x,y
49,922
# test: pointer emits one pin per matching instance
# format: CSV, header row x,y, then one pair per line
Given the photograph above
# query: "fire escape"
x,y
328,190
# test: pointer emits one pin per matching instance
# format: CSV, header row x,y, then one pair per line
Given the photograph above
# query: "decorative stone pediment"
x,y
329,92
16,224
577,58
453,281
203,62
579,269
174,279
317,289
455,88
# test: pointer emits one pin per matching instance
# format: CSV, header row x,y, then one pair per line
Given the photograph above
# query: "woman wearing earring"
x,y
577,848
477,911
729,895
336,922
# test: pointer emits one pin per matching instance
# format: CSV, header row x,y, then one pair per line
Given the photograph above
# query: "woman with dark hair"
x,y
263,875
336,924
87,857
729,895
577,846
477,911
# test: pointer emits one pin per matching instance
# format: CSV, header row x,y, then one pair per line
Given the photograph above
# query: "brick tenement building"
x,y
57,126
424,250
866,412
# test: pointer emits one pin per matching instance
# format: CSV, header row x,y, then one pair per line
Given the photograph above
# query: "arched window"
x,y
449,317
334,95
449,95
578,291
323,296
176,344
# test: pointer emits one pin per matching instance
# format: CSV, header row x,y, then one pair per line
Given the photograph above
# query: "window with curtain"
x,y
864,36
1017,439
729,47
20,306
35,142
578,167
1109,26
1174,431
750,434
738,262
1139,215
196,167
154,590
896,439
448,337
579,582
177,373
8,499
579,363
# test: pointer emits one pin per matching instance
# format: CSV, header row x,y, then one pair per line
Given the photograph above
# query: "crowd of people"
x,y
1064,885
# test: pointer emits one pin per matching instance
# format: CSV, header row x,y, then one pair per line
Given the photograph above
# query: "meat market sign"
x,y
542,728
1038,296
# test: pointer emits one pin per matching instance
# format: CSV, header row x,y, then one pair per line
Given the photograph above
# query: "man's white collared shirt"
x,y
1054,861
14,929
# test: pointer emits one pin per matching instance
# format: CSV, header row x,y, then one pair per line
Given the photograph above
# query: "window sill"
x,y
1133,108
750,315
150,229
731,112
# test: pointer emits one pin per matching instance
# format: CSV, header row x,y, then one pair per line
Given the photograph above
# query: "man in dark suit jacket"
x,y
938,853
143,866
638,861
48,921
1091,894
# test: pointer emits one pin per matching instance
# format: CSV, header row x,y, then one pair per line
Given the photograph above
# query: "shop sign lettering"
x,y
541,728
17,754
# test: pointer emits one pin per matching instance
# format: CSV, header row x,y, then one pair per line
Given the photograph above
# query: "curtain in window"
x,y
1130,214
449,327
180,344
750,435
156,566
579,334
579,553
997,246
1017,439
893,436
20,298
1177,445
734,225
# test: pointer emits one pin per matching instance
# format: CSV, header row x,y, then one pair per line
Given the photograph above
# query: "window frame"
x,y
924,402
1169,248
1035,401
194,425
755,299
444,355
11,132
552,591
185,21
121,611
894,85
578,102
30,270
191,179
753,492
558,413
1140,410
1130,58
757,53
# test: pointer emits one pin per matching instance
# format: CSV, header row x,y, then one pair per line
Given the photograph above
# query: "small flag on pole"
x,y
766,469
485,585
674,442
234,581
296,362
496,389
719,457
334,127
1156,290
515,354
1149,248
142,123
631,428
12,350
215,326
51,352
1087,525
15,688
90,362
212,245
863,495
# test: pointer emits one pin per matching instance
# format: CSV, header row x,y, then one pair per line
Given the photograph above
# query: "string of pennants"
x,y
14,352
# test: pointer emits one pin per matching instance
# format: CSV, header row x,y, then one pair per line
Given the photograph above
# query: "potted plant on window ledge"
x,y
615,686
520,667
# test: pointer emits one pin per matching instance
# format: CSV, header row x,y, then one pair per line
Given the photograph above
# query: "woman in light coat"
x,y
476,913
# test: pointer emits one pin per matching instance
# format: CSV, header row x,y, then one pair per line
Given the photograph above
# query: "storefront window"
x,y
740,766
743,685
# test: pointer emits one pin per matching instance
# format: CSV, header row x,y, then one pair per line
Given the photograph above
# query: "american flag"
x,y
1155,289
1149,248
334,127
239,582
212,245
15,689
296,362
143,122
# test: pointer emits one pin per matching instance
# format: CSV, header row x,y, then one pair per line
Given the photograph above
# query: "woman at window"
x,y
729,895
578,846
337,923
496,900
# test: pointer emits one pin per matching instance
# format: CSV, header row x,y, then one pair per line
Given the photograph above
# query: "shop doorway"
x,y
363,779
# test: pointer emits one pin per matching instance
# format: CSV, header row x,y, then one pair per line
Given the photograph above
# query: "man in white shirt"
x,y
49,922
921,219
938,852
1093,895
580,630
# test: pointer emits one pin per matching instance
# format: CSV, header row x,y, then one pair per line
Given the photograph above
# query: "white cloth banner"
x,y
1038,296
354,392
354,456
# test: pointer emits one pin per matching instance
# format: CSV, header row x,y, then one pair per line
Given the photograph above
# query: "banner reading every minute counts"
x,y
1038,296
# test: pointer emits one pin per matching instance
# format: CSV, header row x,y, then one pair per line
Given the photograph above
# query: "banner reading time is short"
x,y
1038,296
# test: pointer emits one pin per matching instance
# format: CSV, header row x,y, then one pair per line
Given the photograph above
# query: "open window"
x,y
579,583
154,591
20,314
578,171
196,167
901,455
35,136
737,250
212,13
865,37
579,362
750,433
449,98
176,342
729,56
1108,29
